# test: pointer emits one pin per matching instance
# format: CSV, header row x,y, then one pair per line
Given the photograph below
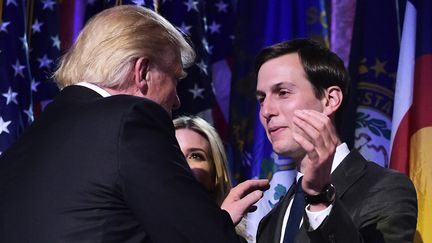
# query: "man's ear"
x,y
332,100
141,74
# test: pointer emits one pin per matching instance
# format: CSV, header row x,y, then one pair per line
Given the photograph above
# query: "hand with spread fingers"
x,y
317,136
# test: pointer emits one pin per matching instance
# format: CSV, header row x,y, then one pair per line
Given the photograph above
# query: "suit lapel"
x,y
270,227
280,215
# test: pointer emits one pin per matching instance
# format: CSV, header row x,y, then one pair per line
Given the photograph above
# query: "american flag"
x,y
204,23
93,7
30,47
209,25
44,46
16,111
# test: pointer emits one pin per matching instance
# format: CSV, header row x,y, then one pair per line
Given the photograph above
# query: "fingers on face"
x,y
316,131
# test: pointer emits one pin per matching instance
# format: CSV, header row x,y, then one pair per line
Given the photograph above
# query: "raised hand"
x,y
318,137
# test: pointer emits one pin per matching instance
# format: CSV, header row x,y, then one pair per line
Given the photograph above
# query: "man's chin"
x,y
294,152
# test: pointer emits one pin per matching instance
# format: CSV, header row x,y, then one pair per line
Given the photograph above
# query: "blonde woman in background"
x,y
205,154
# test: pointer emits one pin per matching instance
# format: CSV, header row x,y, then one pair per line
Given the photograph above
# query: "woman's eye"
x,y
196,156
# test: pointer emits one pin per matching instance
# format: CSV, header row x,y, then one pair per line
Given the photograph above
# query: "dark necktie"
x,y
295,215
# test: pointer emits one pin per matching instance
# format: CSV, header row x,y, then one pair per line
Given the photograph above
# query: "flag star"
x,y
44,61
185,28
34,85
197,92
210,49
56,42
138,2
214,27
18,68
206,46
4,125
36,27
222,7
191,4
8,2
213,88
202,66
29,113
379,67
24,42
10,96
3,26
48,4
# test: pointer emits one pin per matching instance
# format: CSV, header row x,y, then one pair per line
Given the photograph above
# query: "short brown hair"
x,y
322,67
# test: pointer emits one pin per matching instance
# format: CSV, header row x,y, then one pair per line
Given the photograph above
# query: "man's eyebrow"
x,y
273,88
283,84
277,86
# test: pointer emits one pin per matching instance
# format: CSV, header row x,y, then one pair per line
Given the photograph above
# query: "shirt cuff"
x,y
316,218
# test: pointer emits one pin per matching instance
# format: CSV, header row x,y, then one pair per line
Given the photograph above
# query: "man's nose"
x,y
268,108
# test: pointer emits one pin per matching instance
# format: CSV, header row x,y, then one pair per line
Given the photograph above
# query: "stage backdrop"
x,y
227,34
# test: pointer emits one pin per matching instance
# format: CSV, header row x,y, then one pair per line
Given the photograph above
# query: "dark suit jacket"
x,y
373,204
95,169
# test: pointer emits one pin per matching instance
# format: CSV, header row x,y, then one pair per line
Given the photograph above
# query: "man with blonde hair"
x,y
102,164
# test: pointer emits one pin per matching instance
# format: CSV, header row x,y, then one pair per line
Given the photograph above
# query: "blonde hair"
x,y
217,157
107,48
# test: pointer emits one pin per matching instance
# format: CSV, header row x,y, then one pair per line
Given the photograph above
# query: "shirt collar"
x,y
95,88
341,152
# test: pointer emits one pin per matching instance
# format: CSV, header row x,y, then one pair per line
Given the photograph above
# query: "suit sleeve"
x,y
388,214
158,185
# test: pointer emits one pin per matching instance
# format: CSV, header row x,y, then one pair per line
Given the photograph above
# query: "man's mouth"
x,y
275,130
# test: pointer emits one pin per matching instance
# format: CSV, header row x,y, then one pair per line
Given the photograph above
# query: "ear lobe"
x,y
141,74
333,100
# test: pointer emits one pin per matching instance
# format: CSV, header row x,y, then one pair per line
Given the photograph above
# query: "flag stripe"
x,y
412,145
422,93
404,88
